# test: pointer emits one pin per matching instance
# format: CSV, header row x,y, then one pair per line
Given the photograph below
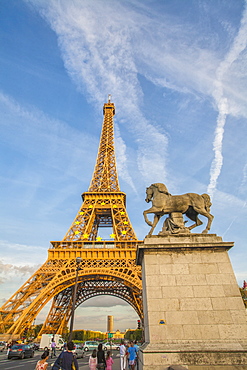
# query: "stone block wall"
x,y
190,294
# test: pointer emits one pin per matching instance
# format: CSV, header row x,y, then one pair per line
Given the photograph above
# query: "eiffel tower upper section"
x,y
104,205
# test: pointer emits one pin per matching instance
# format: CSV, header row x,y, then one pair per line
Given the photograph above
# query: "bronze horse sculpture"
x,y
190,204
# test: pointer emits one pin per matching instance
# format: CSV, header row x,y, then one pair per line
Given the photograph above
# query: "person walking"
x,y
42,364
66,359
122,352
109,361
93,360
132,355
137,350
53,348
101,358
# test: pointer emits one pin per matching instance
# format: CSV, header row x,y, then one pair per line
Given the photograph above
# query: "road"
x,y
30,363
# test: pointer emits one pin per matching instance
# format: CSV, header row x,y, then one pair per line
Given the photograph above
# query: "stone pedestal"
x,y
193,310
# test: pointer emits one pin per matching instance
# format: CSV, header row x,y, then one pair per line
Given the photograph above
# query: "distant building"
x,y
109,324
118,335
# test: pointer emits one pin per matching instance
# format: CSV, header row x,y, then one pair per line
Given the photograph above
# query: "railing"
x,y
95,244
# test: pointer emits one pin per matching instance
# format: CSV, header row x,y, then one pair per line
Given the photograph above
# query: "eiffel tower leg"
x,y
59,313
61,275
14,308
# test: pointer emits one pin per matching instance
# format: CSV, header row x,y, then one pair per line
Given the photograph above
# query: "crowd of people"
x,y
97,360
129,355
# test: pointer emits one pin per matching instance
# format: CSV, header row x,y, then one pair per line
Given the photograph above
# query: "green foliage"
x,y
133,335
83,335
37,329
244,296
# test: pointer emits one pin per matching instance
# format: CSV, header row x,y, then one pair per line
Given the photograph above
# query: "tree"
x,y
243,292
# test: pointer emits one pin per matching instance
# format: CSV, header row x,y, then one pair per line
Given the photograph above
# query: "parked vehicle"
x,y
78,351
21,351
108,346
90,345
46,340
35,346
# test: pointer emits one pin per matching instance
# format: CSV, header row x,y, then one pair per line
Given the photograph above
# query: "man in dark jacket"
x,y
65,359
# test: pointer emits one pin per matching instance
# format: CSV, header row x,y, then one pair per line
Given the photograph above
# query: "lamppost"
x,y
78,261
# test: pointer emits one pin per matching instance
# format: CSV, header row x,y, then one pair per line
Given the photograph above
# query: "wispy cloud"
x,y
18,257
122,158
239,45
8,271
54,146
98,52
243,184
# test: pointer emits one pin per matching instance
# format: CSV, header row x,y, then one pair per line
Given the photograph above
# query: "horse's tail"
x,y
207,201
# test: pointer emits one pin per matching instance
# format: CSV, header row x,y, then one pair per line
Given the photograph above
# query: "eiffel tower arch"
x,y
106,267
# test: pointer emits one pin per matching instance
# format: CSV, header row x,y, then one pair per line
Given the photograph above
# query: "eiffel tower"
x,y
106,267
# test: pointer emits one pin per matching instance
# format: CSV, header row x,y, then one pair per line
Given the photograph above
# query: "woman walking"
x,y
109,361
42,364
101,358
93,360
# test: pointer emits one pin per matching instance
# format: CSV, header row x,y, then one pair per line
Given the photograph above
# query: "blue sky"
x,y
176,71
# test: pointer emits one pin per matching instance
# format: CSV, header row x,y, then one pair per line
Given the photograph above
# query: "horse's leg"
x,y
197,223
209,217
150,210
156,220
146,218
193,216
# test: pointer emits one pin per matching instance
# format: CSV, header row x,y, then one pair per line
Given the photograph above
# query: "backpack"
x,y
40,366
57,364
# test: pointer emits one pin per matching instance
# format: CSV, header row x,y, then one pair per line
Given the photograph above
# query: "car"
x,y
35,346
90,345
21,351
109,346
78,351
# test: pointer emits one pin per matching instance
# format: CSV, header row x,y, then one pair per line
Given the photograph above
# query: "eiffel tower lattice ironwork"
x,y
107,266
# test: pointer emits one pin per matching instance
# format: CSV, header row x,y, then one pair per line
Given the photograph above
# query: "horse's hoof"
x,y
205,231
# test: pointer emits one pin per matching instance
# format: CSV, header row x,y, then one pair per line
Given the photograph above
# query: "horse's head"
x,y
149,192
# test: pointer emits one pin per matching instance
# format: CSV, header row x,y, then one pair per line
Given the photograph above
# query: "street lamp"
x,y
78,261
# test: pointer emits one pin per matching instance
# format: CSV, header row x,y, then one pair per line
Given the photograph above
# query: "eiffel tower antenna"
x,y
106,267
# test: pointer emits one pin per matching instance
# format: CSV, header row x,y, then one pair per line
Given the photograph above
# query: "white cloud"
x,y
97,49
239,44
122,160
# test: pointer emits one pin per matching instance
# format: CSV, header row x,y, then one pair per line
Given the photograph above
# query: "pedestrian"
x,y
122,352
43,364
127,356
101,358
132,355
53,347
9,345
66,359
109,361
93,360
64,347
137,350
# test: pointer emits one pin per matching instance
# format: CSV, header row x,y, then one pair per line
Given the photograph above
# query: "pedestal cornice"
x,y
180,242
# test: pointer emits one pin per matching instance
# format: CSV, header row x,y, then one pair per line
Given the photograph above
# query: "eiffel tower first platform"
x,y
106,267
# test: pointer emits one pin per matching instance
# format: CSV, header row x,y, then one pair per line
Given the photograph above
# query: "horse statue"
x,y
190,204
